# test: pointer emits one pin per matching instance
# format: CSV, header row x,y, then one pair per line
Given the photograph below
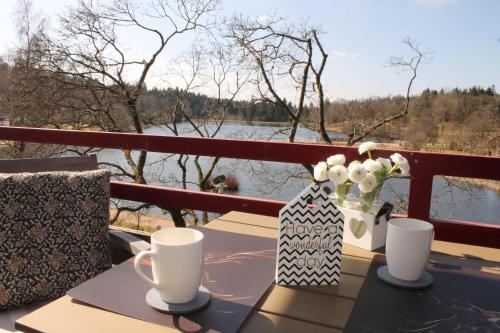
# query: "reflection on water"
x,y
283,181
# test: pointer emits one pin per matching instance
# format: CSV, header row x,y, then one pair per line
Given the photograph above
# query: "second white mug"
x,y
408,246
177,263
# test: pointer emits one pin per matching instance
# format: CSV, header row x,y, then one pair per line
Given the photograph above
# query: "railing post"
x,y
419,199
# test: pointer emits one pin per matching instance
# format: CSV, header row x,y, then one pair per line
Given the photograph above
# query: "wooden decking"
x,y
282,309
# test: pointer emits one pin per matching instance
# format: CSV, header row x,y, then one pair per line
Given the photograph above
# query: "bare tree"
x,y
88,54
215,69
411,64
285,57
26,100
291,57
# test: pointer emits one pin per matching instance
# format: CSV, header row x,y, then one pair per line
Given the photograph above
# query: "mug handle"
x,y
137,267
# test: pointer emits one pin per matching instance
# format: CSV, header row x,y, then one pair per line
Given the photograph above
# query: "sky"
x,y
462,36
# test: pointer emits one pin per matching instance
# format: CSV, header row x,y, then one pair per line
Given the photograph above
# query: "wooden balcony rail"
x,y
424,166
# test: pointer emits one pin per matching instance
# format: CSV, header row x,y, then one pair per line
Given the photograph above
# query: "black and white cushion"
x,y
53,233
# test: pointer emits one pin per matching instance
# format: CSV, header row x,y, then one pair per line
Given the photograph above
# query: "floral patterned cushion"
x,y
53,233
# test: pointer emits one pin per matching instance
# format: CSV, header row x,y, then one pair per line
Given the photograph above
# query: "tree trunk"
x,y
176,216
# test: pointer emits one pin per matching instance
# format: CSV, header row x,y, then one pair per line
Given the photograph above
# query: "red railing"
x,y
424,165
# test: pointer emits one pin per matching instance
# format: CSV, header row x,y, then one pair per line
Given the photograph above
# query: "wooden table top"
x,y
282,309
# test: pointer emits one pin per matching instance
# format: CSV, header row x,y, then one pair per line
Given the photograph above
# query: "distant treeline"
x,y
456,105
458,119
155,102
466,119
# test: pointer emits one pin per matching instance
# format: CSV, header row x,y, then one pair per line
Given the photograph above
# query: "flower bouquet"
x,y
362,216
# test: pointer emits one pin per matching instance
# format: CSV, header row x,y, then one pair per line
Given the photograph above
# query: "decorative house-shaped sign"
x,y
310,239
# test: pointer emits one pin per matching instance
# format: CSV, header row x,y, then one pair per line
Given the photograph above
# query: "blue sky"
x,y
361,35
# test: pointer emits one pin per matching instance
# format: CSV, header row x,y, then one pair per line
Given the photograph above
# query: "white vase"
x,y
364,229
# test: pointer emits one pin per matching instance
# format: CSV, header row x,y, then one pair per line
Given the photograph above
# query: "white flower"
x,y
356,172
321,172
405,168
402,163
372,166
368,184
366,146
397,158
338,174
352,164
338,159
385,162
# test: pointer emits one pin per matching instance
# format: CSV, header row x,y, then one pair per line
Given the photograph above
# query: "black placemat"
x,y
460,300
238,269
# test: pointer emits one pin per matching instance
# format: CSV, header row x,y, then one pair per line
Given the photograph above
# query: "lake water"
x,y
283,181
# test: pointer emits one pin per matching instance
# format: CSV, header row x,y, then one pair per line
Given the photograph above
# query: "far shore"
x,y
330,128
492,185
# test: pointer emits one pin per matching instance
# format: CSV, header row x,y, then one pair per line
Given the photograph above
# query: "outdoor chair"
x,y
123,245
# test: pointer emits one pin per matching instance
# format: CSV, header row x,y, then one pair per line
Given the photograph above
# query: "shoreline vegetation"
x,y
492,185
141,221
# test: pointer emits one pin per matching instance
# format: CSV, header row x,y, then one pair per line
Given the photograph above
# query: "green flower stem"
x,y
394,168
367,199
341,192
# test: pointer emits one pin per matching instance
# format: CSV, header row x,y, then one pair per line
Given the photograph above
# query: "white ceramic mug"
x,y
177,262
407,248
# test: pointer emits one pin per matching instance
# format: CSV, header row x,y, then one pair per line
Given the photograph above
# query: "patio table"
x,y
282,309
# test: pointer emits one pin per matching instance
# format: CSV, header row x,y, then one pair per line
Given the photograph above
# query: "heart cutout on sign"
x,y
358,228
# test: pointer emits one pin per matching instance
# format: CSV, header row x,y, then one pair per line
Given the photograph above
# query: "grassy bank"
x,y
492,185
141,221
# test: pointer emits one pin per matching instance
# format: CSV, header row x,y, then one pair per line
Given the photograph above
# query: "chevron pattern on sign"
x,y
310,240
